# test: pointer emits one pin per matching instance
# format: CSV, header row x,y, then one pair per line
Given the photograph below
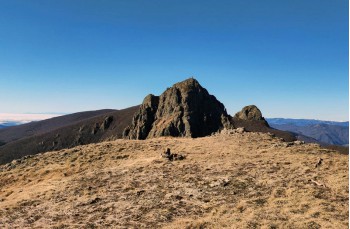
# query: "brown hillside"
x,y
105,126
230,180
14,133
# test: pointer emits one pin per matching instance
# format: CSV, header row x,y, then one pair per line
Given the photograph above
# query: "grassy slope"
x,y
248,180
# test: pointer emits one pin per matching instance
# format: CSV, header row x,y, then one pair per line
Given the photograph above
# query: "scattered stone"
x,y
172,157
226,131
139,193
16,162
231,131
167,153
299,142
319,163
28,156
288,144
119,157
214,184
225,182
271,134
317,183
94,201
222,182
240,130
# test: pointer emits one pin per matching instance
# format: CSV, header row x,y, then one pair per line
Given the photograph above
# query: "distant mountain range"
x,y
328,132
8,124
303,122
15,119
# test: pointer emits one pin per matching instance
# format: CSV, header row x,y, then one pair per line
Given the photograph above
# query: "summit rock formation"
x,y
250,116
184,110
250,113
252,120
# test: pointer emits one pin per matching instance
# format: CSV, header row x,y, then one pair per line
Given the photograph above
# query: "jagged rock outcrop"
x,y
186,109
249,113
143,120
250,118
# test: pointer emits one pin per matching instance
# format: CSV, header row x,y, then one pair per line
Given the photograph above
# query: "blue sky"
x,y
290,58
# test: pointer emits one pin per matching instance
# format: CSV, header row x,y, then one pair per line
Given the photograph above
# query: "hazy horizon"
x,y
22,118
289,58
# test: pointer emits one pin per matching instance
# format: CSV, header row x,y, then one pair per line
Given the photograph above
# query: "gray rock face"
x,y
143,120
249,113
186,109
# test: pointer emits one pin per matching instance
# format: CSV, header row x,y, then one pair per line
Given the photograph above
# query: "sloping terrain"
x,y
105,126
230,180
34,128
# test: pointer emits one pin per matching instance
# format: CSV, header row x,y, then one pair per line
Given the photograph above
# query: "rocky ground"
x,y
230,180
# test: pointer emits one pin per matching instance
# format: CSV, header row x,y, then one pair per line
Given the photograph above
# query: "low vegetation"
x,y
234,179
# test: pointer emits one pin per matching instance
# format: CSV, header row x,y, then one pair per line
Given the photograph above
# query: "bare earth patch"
x,y
232,180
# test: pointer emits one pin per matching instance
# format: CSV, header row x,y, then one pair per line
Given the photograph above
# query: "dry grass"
x,y
248,180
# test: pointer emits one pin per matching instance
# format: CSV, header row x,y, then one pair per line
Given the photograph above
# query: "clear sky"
x,y
290,58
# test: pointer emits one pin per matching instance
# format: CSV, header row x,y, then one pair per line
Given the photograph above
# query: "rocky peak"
x,y
249,113
251,119
188,84
185,109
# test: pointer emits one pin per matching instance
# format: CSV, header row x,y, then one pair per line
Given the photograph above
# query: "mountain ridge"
x,y
325,132
305,122
184,110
